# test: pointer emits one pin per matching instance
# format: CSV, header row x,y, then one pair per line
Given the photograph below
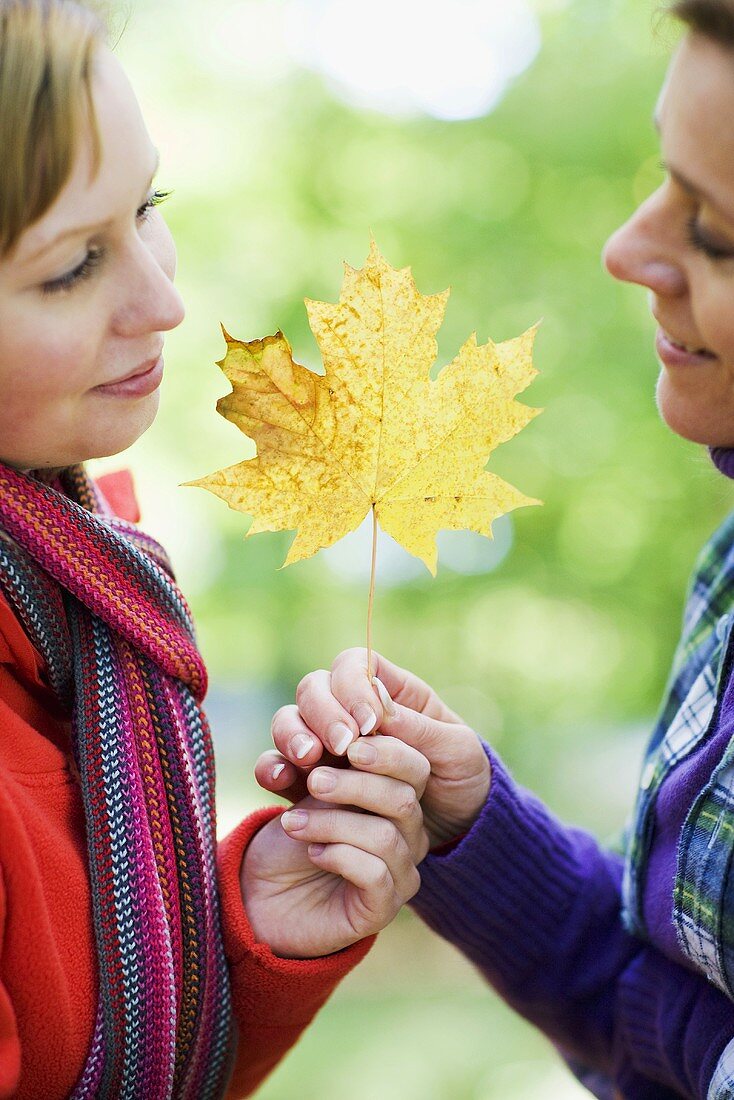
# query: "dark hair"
x,y
712,18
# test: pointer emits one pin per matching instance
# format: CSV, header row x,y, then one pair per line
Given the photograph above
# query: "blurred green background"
x,y
554,639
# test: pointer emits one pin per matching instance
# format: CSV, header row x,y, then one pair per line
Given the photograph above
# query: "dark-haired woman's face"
x,y
86,298
680,245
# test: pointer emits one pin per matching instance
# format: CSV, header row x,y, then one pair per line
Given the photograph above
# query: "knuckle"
x,y
382,879
424,770
469,738
389,839
307,685
412,883
406,804
355,787
282,718
349,656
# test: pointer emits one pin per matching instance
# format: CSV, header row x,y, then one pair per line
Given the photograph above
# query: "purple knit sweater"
x,y
536,906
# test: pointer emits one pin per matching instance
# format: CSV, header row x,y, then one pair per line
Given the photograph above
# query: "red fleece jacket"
x,y
48,975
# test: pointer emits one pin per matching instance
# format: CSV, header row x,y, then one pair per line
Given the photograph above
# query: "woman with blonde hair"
x,y
137,959
625,962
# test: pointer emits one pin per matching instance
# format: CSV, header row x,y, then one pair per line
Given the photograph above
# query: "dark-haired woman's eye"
x,y
702,243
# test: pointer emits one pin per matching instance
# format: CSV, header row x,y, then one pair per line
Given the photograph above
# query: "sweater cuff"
x,y
240,945
503,891
673,1027
273,999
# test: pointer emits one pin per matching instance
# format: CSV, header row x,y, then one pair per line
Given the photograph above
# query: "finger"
x,y
323,713
377,897
375,901
354,690
437,740
376,835
293,738
381,755
379,794
453,750
276,774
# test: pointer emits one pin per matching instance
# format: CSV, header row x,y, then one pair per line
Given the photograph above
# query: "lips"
x,y
141,382
692,349
676,357
136,371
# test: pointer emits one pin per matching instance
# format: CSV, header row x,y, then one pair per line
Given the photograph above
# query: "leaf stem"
x,y
371,598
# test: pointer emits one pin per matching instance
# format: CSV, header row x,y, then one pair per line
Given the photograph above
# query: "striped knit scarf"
x,y
99,602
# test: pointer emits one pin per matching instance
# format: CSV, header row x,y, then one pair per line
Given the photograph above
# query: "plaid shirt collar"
x,y
704,884
701,668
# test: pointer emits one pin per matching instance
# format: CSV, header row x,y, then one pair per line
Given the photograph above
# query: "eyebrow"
x,y
687,185
85,230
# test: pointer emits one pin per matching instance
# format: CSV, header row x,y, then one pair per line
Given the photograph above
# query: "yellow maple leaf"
x,y
374,431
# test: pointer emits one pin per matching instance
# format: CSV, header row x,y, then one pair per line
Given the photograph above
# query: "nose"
x,y
645,250
149,302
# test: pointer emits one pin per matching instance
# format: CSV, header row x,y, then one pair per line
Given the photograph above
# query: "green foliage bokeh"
x,y
274,188
560,653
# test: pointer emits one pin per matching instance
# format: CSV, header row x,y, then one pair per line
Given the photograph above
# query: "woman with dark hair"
x,y
626,962
138,959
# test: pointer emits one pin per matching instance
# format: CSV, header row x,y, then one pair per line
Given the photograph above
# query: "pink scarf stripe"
x,y
100,604
156,1010
143,719
87,565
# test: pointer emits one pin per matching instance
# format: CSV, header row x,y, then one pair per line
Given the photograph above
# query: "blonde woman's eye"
x,y
155,199
92,259
95,255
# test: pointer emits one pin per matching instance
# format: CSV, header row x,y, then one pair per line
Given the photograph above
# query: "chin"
x,y
691,421
111,436
115,436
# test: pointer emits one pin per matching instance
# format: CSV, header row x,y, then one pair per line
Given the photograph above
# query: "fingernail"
x,y
301,745
362,753
345,738
316,849
390,709
294,819
322,781
365,718
277,770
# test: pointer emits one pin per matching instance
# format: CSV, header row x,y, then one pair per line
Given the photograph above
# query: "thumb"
x,y
430,736
351,686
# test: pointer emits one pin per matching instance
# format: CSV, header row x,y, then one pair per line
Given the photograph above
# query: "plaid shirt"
x,y
703,903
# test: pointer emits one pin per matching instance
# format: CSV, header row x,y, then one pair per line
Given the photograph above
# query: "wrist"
x,y
449,828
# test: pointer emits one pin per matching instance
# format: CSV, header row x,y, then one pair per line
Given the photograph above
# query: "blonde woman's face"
x,y
680,245
86,298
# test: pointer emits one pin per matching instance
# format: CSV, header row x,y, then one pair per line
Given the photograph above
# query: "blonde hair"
x,y
46,51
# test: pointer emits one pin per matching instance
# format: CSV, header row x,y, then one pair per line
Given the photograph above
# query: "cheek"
x,y
45,365
713,311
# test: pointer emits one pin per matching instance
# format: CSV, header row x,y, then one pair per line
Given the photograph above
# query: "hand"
x,y
327,874
333,707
